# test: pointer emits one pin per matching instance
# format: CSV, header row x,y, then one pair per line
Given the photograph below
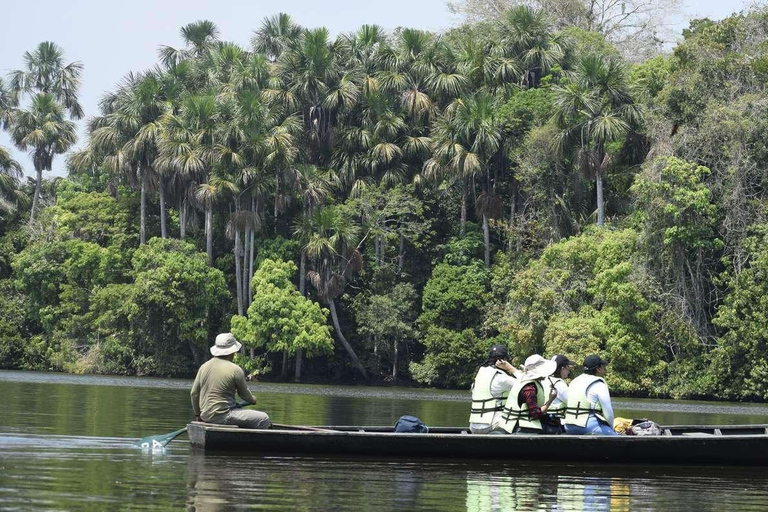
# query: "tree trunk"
x,y
401,253
463,206
512,208
163,232
38,192
182,218
284,371
251,257
487,240
600,203
343,340
297,374
238,278
143,235
277,197
302,274
195,355
246,247
394,360
209,233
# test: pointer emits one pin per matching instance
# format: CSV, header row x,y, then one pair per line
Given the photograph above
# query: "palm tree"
x,y
527,45
593,109
10,173
275,35
466,138
45,129
314,185
199,37
126,137
332,246
45,72
52,86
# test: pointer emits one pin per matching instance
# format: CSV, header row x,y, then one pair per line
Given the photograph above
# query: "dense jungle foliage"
x,y
383,207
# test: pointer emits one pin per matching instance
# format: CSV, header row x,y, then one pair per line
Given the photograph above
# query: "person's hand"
x,y
552,395
503,364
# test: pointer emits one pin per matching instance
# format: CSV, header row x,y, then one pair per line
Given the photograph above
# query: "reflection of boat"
x,y
728,444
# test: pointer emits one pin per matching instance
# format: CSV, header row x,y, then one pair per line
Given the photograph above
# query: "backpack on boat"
x,y
411,424
644,427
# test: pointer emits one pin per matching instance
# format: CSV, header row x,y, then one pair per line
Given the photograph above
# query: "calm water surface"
x,y
66,443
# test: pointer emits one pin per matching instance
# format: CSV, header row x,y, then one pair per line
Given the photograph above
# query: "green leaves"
x,y
280,318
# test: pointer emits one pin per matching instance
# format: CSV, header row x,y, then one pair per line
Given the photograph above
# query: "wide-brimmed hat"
x,y
537,367
225,344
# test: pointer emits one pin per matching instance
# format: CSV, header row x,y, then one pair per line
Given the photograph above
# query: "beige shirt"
x,y
213,393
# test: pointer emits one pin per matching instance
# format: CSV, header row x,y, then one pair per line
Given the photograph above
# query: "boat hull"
x,y
727,445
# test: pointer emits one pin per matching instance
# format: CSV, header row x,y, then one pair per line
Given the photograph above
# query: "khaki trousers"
x,y
247,418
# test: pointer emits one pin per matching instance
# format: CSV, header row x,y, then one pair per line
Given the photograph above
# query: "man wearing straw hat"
x,y
213,393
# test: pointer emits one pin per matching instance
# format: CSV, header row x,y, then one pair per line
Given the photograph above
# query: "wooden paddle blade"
x,y
156,442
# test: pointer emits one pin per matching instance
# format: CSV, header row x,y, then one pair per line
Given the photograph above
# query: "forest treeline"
x,y
384,206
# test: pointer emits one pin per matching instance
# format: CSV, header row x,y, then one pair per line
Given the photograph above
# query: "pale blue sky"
x,y
112,38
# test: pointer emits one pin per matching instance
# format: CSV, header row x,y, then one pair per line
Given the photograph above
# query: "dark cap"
x,y
594,361
561,360
498,352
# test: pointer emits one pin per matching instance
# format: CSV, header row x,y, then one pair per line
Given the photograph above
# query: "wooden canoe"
x,y
743,445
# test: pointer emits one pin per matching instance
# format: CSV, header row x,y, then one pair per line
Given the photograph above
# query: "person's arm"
x,y
501,383
195,395
531,400
242,387
562,391
601,390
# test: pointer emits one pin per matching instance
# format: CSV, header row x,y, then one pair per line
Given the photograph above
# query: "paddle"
x,y
156,442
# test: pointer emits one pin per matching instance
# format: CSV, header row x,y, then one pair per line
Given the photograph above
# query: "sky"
x,y
112,38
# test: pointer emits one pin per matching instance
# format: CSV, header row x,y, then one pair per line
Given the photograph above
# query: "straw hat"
x,y
225,344
536,367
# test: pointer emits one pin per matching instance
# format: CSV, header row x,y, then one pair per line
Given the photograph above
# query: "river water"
x,y
67,443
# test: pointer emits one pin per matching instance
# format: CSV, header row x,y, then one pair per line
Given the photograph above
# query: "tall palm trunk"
x,y
143,233
463,206
38,192
401,253
246,247
600,203
209,233
343,340
251,256
163,231
182,218
277,197
238,279
487,240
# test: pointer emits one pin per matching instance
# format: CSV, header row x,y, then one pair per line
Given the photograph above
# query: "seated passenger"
x,y
589,403
556,413
528,404
490,390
